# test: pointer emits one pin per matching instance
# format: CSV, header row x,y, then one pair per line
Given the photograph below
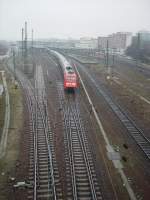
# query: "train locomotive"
x,y
69,74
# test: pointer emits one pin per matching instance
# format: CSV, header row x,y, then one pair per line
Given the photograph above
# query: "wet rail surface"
x,y
81,176
43,171
105,184
81,180
136,133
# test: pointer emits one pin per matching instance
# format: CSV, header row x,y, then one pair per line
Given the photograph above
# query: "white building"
x,y
118,41
87,43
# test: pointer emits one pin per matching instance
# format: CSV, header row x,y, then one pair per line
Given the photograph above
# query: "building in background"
x,y
102,42
87,43
144,35
117,41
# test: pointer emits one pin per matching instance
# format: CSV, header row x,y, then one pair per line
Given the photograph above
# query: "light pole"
x,y
107,54
113,57
14,63
138,50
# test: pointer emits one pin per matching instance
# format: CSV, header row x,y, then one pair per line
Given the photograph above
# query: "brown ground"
x,y
136,165
91,127
111,182
9,162
126,85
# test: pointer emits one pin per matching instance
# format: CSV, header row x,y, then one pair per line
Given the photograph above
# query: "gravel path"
x,y
3,142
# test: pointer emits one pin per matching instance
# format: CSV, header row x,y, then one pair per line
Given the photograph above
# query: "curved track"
x,y
43,172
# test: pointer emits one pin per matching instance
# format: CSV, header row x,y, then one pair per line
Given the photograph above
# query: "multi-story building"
x,y
87,43
144,35
102,42
118,41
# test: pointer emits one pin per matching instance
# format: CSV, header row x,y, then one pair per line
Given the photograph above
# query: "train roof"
x,y
66,65
61,57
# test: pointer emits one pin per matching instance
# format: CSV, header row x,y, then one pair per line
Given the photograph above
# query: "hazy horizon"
x,y
72,19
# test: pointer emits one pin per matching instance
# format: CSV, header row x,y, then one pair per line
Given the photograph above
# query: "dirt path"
x,y
3,142
8,163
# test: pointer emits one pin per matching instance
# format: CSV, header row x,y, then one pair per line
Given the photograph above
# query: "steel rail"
x,y
72,119
71,155
79,127
33,116
46,131
42,108
70,150
33,101
135,132
34,129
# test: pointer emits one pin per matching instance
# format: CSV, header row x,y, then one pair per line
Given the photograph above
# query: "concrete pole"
x,y
22,41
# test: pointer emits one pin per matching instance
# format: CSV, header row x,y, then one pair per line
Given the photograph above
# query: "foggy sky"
x,y
72,18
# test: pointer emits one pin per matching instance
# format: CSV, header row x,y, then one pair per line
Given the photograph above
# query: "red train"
x,y
70,76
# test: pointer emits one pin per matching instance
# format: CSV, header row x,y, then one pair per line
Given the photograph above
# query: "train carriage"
x,y
69,74
70,78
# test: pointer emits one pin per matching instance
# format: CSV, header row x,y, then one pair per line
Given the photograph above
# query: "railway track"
x,y
81,176
102,175
137,134
81,179
43,171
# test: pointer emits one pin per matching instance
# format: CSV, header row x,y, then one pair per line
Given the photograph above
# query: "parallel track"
x,y
81,176
43,171
137,134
